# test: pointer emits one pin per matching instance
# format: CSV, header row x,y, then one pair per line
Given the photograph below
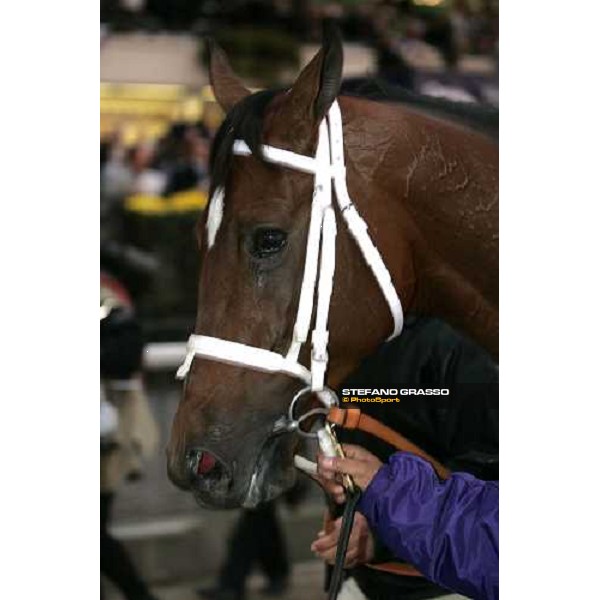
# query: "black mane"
x,y
479,117
245,120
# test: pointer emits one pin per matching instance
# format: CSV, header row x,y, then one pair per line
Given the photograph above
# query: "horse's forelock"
x,y
244,121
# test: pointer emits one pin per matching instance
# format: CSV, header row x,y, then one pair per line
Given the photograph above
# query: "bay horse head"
x,y
272,164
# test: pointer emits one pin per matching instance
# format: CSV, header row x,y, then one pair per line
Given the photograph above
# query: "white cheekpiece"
x,y
328,165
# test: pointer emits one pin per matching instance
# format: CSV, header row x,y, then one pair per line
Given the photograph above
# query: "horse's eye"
x,y
266,242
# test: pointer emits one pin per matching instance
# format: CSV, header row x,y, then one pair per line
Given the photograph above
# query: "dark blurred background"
x,y
157,120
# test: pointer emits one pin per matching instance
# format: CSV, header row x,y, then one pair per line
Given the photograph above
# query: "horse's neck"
x,y
436,193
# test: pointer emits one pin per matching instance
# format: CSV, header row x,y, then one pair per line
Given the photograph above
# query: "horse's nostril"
x,y
201,462
206,463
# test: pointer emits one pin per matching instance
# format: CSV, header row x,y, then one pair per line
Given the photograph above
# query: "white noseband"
x,y
327,165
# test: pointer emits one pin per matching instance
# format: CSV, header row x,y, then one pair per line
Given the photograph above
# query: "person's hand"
x,y
330,482
359,463
361,545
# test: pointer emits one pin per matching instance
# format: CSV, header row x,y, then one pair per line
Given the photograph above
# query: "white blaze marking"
x,y
215,215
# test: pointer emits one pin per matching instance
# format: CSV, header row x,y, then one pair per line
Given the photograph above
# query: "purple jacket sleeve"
x,y
446,529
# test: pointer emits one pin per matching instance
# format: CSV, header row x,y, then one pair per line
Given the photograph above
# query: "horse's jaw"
x,y
271,476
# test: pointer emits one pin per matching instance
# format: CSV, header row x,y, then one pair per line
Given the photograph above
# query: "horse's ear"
x,y
331,71
317,86
227,87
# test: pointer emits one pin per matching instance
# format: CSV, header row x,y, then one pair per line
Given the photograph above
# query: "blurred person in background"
x,y
128,431
257,539
461,20
486,27
116,183
200,151
116,175
184,159
147,180
391,64
440,34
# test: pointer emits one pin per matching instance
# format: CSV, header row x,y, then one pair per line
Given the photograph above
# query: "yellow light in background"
x,y
140,91
429,3
192,109
130,134
207,94
213,115
146,111
188,110
124,106
187,201
156,129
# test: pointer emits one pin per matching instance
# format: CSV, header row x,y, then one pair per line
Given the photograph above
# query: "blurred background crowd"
x,y
157,119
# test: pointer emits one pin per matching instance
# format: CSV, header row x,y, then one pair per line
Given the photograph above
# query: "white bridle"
x,y
327,165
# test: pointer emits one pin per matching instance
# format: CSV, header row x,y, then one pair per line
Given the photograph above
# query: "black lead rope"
x,y
342,547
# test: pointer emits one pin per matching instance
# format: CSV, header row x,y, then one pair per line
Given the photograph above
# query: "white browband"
x,y
327,165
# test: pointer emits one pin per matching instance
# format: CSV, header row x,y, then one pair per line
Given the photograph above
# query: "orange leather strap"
x,y
396,568
327,521
352,418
